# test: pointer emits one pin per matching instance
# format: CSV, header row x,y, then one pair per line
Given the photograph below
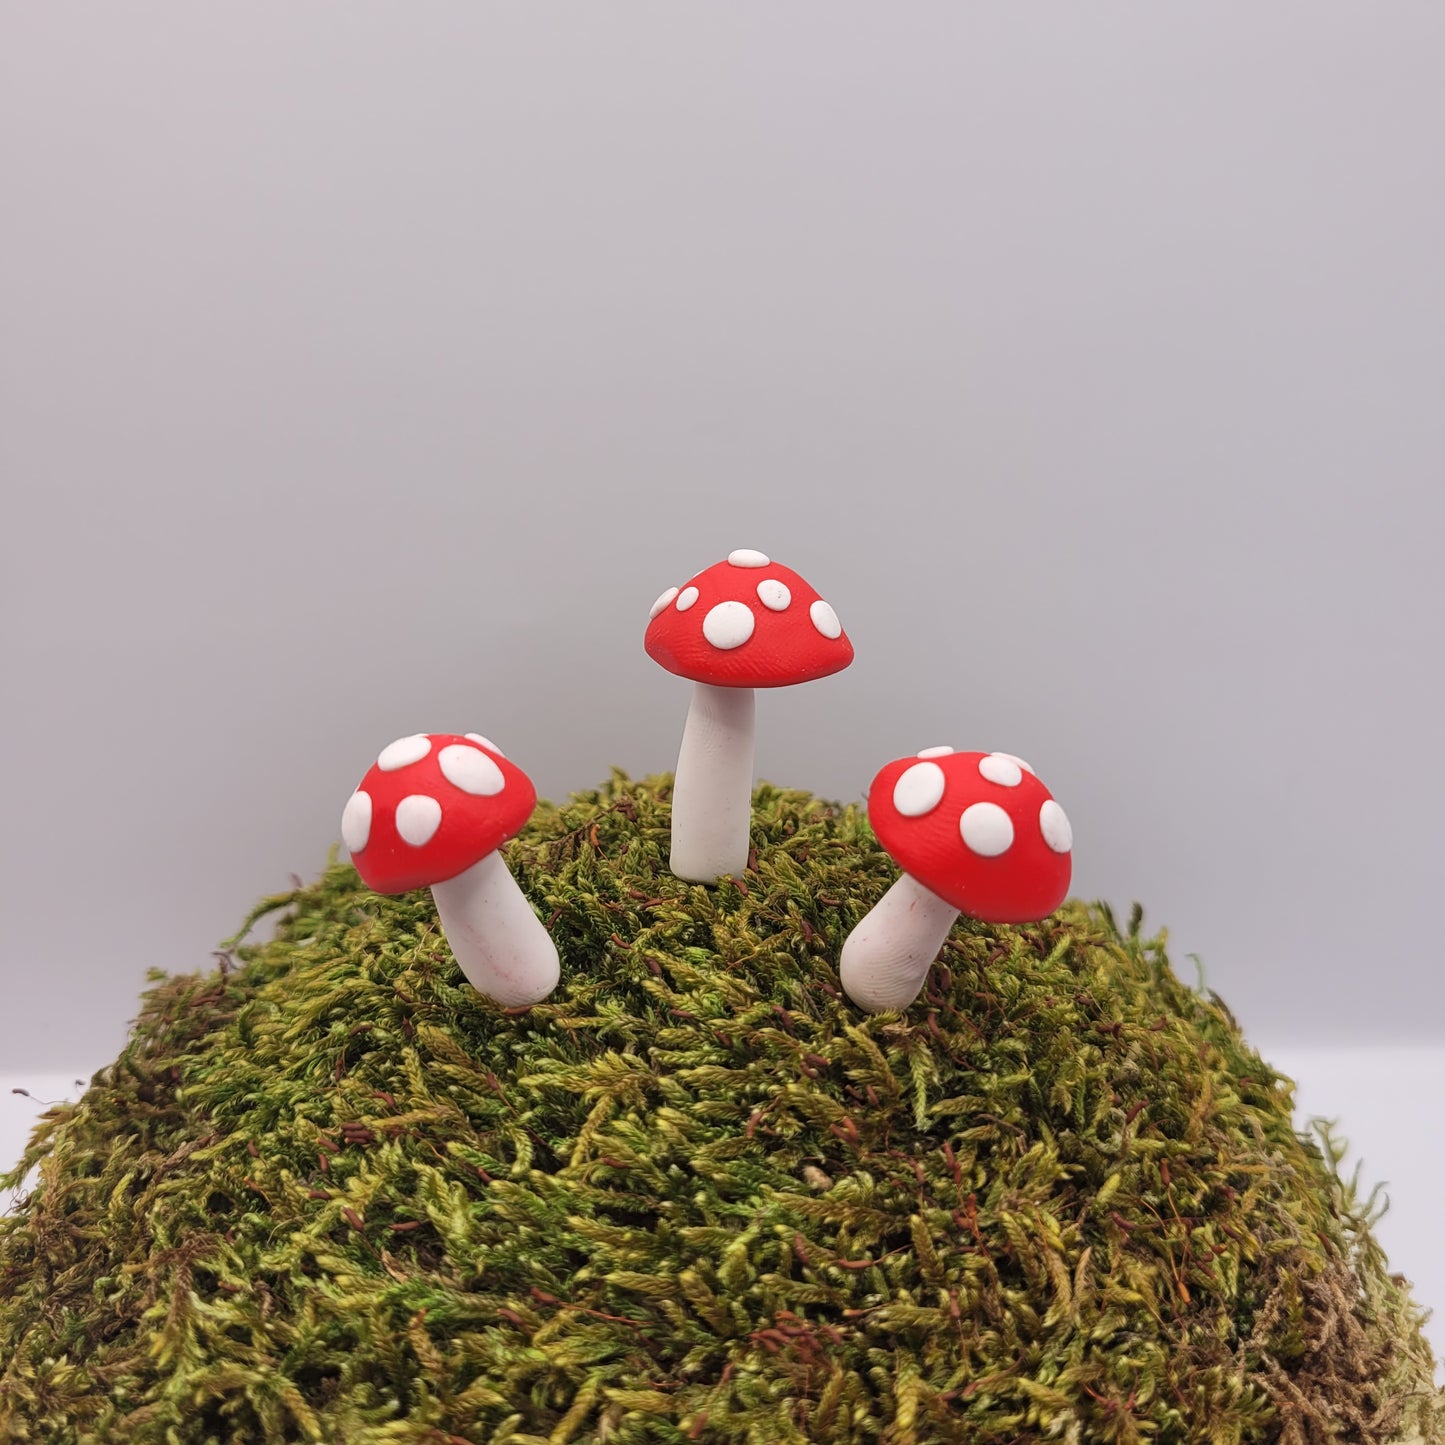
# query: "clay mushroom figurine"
x,y
432,812
747,622
974,833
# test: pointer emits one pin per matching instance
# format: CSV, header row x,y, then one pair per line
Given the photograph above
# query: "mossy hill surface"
x,y
328,1193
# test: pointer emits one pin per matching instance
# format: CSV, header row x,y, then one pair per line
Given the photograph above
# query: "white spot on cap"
x,y
403,752
418,817
662,602
356,821
1055,826
825,619
774,595
471,770
935,752
986,829
1014,758
919,789
485,742
746,557
686,598
1001,769
728,625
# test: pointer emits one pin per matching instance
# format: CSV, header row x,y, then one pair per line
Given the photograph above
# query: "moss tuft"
x,y
327,1193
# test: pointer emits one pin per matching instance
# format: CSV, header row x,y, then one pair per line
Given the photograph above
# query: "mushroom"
x,y
432,812
974,833
745,623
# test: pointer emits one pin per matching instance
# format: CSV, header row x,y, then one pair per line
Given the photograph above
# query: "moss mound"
x,y
328,1193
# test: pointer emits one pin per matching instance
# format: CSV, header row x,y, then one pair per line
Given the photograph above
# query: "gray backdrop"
x,y
371,368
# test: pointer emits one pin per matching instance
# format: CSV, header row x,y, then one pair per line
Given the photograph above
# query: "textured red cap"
x,y
978,829
747,622
431,806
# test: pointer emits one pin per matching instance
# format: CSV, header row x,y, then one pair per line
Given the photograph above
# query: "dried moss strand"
x,y
327,1193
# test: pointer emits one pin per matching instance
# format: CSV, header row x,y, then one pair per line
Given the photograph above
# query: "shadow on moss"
x,y
328,1193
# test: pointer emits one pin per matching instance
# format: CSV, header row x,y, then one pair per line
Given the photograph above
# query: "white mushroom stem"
x,y
887,956
712,794
496,937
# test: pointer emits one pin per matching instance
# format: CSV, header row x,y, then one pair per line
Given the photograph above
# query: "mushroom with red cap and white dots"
x,y
433,812
745,623
974,833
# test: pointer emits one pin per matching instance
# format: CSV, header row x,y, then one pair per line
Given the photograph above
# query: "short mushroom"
x,y
745,623
974,833
432,812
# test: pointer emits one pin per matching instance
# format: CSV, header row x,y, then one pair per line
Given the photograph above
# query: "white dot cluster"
x,y
419,815
1058,831
1001,770
356,821
919,790
776,596
730,624
822,616
403,752
471,771
986,829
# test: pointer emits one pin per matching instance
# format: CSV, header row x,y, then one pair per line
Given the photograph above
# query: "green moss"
x,y
328,1193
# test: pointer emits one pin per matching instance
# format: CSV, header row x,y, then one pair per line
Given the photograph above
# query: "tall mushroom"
x,y
974,833
747,622
432,812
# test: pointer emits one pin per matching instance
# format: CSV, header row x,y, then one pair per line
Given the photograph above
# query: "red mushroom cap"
x,y
747,622
978,829
431,806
